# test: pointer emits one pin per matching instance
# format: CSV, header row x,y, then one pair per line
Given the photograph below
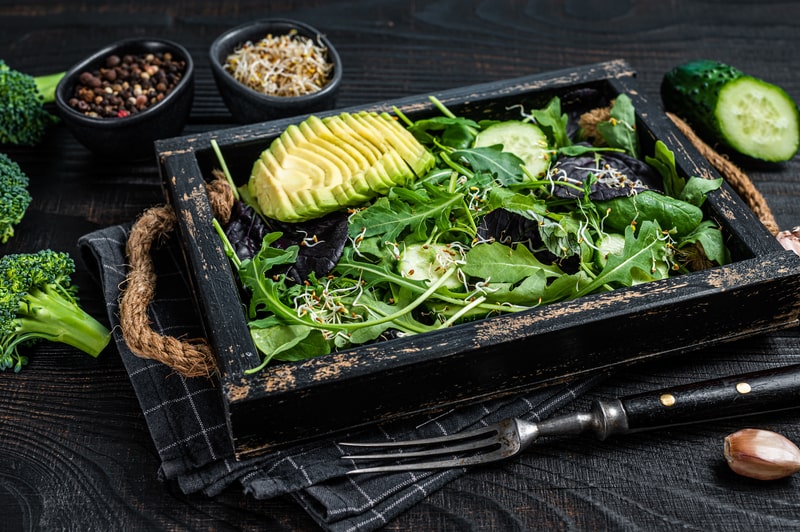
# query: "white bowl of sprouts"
x,y
275,68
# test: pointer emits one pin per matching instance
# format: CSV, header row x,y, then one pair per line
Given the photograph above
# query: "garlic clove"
x,y
761,454
790,240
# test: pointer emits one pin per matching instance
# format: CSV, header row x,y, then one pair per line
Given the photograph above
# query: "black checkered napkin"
x,y
187,425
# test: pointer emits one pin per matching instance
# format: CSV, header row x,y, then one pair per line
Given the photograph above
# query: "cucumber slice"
x,y
610,244
525,140
429,262
758,118
726,106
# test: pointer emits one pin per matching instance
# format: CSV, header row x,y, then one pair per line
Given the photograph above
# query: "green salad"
x,y
362,227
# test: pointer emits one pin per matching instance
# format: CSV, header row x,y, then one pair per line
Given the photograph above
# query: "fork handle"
x,y
725,397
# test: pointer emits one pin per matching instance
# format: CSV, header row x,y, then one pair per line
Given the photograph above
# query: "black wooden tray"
x,y
291,402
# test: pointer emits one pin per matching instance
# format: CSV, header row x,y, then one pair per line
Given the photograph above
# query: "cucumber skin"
x,y
691,91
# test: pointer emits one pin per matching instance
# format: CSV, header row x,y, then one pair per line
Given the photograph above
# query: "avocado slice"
x,y
390,171
335,159
294,143
325,137
265,187
322,165
413,153
340,130
296,165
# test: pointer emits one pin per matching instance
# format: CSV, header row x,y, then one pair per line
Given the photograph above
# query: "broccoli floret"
x,y
23,119
14,196
38,302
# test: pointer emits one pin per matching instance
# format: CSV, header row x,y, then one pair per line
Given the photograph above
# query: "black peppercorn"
x,y
126,85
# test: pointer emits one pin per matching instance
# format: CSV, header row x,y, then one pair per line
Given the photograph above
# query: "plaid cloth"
x,y
186,421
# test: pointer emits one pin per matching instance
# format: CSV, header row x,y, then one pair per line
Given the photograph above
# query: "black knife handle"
x,y
725,397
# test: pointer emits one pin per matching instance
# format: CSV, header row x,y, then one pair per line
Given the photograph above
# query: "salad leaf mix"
x,y
485,232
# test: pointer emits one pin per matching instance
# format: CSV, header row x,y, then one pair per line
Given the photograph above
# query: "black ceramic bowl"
x,y
248,105
129,137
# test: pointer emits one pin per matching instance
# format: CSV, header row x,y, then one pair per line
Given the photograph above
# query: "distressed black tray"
x,y
290,402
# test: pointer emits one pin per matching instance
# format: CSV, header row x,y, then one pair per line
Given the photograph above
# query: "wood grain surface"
x,y
75,452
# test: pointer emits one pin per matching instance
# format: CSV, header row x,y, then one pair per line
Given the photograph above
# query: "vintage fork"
x,y
725,397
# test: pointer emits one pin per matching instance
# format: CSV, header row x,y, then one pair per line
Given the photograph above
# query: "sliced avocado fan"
x,y
323,165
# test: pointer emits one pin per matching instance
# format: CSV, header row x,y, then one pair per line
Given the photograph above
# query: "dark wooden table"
x,y
75,452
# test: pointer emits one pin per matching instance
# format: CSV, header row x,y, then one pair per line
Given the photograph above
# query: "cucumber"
x,y
724,105
525,140
609,244
428,262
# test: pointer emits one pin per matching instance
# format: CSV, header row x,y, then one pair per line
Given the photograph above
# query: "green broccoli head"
x,y
23,119
14,196
38,302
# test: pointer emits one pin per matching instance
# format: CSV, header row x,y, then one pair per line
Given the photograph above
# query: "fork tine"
x,y
488,430
494,456
452,449
490,443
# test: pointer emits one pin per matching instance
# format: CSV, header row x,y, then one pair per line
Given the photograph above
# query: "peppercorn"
x,y
127,85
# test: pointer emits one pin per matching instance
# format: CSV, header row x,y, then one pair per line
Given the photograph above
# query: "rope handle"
x,y
194,357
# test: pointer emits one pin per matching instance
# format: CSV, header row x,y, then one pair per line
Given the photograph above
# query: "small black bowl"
x,y
130,137
248,105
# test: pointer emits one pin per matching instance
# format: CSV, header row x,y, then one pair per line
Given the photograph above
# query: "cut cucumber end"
x,y
525,140
428,262
610,244
758,119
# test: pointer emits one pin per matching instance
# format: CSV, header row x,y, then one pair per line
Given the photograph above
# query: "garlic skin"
x,y
790,240
761,454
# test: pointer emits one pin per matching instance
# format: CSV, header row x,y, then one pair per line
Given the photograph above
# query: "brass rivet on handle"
x,y
667,399
743,387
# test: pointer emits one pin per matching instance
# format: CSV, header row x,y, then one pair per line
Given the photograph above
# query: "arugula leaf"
x,y
664,162
554,123
265,292
637,261
504,166
420,212
620,130
404,322
269,257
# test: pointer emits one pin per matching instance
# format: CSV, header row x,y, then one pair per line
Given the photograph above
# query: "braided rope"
x,y
192,357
